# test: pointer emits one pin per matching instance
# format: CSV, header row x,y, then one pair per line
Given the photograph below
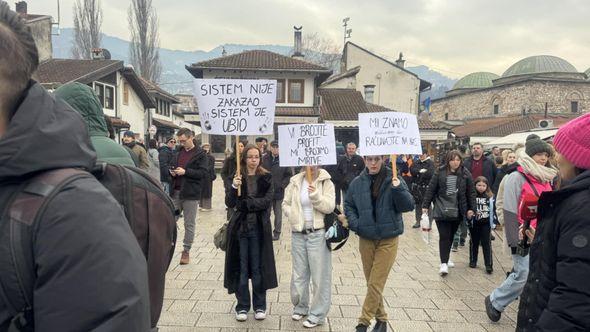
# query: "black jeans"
x,y
480,234
446,231
250,267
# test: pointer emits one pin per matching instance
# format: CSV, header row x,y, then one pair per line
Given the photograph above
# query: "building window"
x,y
109,97
574,106
446,116
99,90
369,93
496,109
281,91
296,94
125,94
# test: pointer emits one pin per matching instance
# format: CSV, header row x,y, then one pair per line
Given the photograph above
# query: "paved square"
x,y
417,298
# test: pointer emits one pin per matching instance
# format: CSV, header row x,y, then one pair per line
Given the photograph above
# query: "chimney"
x,y
21,8
297,45
223,51
100,54
400,61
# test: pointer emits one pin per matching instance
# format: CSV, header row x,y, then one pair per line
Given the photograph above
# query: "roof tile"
x,y
69,70
258,59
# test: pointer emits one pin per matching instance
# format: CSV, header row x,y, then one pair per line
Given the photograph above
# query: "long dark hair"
x,y
451,155
483,179
244,158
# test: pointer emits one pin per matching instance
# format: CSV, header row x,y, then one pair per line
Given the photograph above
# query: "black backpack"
x,y
149,211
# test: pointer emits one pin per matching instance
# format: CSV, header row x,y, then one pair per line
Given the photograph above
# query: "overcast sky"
x,y
455,37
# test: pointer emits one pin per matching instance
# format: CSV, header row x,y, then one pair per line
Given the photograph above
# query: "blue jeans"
x,y
312,261
511,288
250,267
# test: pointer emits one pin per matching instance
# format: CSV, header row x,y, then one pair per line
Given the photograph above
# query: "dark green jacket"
x,y
83,100
385,219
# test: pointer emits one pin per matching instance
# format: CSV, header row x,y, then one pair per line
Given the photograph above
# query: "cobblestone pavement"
x,y
417,298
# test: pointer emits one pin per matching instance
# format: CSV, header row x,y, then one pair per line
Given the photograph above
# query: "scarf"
x,y
542,173
377,181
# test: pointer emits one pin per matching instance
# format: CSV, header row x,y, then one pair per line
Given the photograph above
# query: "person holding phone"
x,y
534,176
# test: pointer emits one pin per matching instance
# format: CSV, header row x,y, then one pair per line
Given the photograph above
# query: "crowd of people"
x,y
537,193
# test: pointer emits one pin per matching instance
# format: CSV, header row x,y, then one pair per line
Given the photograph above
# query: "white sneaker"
x,y
297,317
241,316
309,324
444,269
450,263
260,315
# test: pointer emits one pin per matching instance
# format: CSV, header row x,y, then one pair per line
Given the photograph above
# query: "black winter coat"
x,y
196,174
280,175
420,181
504,170
207,190
556,296
167,158
348,169
489,168
228,170
90,272
438,186
260,205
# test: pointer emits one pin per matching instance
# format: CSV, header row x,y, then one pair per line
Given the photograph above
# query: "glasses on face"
x,y
173,142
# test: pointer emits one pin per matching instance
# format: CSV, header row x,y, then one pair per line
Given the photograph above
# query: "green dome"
x,y
540,64
476,81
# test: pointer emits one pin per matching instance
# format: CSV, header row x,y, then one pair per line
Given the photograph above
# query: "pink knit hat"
x,y
573,141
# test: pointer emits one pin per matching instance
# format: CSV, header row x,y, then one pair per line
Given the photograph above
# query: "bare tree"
x,y
87,24
321,51
144,51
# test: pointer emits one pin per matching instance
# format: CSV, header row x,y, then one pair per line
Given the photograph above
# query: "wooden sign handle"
x,y
238,164
393,158
308,174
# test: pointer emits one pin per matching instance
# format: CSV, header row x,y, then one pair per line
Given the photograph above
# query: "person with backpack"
x,y
556,296
481,224
452,192
533,176
153,157
189,171
249,254
166,157
305,206
373,206
79,266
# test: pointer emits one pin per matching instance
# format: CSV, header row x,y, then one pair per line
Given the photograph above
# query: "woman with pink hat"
x,y
557,293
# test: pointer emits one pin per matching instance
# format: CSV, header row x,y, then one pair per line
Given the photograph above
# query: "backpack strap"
x,y
17,231
530,184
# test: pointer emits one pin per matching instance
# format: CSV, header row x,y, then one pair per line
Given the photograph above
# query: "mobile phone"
x,y
524,245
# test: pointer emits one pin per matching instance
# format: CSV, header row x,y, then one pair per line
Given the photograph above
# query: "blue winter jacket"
x,y
390,205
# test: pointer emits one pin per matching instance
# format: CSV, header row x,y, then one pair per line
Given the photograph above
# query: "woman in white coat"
x,y
305,206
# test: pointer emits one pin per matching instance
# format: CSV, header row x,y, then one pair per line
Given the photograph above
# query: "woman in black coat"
x,y
207,190
453,194
556,296
249,244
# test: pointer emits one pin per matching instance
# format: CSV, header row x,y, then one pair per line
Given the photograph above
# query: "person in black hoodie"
x,y
89,272
190,170
280,181
167,155
422,171
556,296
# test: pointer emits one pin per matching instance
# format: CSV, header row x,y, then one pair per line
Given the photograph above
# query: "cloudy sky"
x,y
455,37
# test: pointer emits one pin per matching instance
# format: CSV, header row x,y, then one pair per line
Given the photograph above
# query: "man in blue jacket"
x,y
374,205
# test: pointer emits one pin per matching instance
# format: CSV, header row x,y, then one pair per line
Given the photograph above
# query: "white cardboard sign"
x,y
236,107
385,133
307,145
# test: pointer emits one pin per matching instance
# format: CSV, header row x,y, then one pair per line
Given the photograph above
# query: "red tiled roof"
x,y
62,71
258,59
503,126
341,104
295,111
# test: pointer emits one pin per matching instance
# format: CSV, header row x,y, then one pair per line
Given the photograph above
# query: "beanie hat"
x,y
573,141
535,145
129,133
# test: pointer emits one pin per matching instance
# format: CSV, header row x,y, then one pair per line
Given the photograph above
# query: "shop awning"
x,y
118,123
507,142
164,124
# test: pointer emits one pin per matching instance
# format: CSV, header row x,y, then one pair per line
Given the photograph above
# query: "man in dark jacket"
x,y
349,167
167,156
422,171
189,172
90,274
280,180
373,206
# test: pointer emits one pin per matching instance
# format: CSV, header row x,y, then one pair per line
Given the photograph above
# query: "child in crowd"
x,y
482,223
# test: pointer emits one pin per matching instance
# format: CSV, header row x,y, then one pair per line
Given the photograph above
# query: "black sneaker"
x,y
380,326
276,237
472,265
489,269
492,237
416,225
455,247
462,243
493,314
361,328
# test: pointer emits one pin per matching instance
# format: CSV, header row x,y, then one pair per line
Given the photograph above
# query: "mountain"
x,y
176,79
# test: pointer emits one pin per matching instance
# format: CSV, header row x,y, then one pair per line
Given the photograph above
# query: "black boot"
x,y
489,269
380,326
416,225
361,328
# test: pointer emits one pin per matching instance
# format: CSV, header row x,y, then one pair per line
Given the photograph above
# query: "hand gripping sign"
x,y
389,133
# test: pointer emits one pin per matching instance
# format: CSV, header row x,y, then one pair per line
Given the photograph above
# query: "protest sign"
x,y
236,107
307,145
386,133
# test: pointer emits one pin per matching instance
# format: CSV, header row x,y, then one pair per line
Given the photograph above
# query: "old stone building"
x,y
533,85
